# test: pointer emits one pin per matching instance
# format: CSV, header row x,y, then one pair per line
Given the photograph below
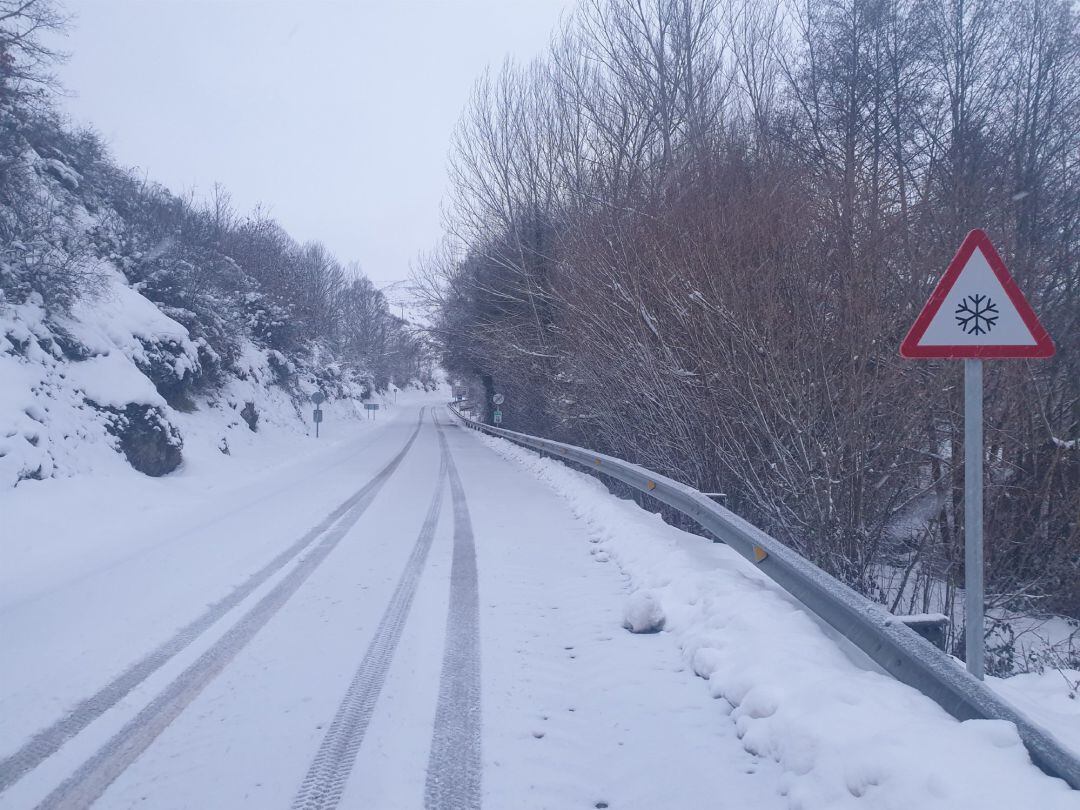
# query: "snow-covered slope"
x,y
78,393
130,338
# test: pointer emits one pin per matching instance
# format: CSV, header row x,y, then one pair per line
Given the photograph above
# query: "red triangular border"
x,y
1043,347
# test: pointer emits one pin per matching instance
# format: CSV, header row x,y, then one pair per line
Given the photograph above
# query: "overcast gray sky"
x,y
335,115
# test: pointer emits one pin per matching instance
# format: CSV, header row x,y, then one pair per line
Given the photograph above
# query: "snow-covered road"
x,y
416,616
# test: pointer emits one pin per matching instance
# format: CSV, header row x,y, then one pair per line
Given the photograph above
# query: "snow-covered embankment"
x,y
841,731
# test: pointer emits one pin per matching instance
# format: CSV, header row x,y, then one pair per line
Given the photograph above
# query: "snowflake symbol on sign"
x,y
977,314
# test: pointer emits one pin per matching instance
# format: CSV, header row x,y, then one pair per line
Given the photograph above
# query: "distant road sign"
x,y
317,416
318,397
371,406
497,417
977,311
498,399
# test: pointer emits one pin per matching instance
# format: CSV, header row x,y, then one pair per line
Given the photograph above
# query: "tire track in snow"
x,y
454,768
48,741
324,784
91,780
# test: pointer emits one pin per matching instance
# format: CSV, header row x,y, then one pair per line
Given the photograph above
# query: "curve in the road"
x,y
325,781
454,766
91,780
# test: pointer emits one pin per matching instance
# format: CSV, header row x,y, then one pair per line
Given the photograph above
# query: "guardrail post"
x,y
933,627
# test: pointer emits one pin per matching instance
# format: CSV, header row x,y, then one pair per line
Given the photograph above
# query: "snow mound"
x,y
643,613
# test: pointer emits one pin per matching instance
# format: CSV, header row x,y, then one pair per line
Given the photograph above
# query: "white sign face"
x,y
977,311
498,399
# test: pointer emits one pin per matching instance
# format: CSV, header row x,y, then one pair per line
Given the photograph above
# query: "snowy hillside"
x,y
79,393
137,329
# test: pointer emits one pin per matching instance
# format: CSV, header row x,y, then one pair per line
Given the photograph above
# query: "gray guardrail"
x,y
883,637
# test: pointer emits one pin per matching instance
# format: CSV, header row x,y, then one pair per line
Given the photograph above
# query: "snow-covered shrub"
x,y
44,249
270,323
280,366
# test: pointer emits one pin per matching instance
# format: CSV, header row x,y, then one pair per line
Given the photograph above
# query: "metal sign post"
x,y
976,312
974,599
318,398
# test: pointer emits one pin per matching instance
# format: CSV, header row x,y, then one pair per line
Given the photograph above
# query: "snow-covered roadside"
x,y
1049,698
99,585
843,736
82,393
59,528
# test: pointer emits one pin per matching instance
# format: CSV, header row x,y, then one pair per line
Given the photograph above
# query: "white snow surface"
x,y
1051,698
99,569
577,712
842,734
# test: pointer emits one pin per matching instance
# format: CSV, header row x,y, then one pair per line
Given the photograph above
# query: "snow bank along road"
x,y
430,618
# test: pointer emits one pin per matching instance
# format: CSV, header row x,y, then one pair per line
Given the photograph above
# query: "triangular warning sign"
x,y
977,310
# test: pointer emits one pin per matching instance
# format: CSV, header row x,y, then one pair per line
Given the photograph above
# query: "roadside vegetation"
x,y
694,233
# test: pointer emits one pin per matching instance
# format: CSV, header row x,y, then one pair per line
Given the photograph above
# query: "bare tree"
x,y
26,55
694,234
